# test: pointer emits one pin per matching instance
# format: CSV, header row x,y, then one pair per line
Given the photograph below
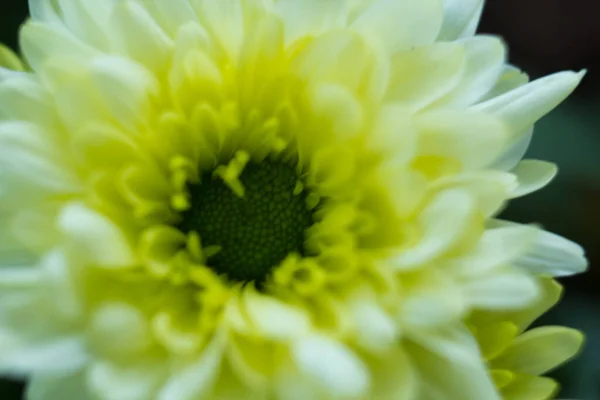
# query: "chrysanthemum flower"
x,y
264,199
517,358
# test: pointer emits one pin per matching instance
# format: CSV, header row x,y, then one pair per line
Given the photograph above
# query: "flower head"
x,y
277,199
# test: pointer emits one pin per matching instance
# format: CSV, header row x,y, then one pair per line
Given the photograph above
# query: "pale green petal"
x,y
9,60
533,175
526,387
540,350
493,339
550,292
554,255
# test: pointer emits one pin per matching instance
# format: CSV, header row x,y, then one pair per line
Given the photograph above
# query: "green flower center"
x,y
256,231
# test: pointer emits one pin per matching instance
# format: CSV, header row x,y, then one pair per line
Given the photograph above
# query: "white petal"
x,y
43,10
95,237
325,59
394,134
451,366
394,376
375,330
433,298
473,139
423,75
65,298
74,95
497,247
554,255
23,98
87,18
511,78
398,25
332,365
175,14
515,151
523,106
227,22
490,189
39,42
7,74
131,382
28,154
19,277
270,317
63,355
291,385
196,381
57,387
443,223
533,175
460,18
126,88
485,58
507,289
339,106
311,17
139,36
120,320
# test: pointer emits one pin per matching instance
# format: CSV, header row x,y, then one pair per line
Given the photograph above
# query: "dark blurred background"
x,y
544,36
